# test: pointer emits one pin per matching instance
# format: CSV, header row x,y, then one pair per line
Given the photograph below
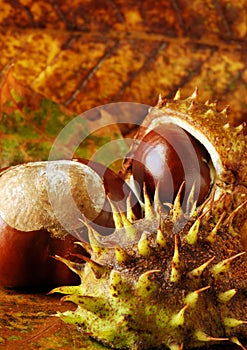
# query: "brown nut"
x,y
40,203
169,156
26,258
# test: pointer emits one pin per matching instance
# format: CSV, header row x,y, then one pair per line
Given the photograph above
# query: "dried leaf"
x,y
30,125
26,322
83,54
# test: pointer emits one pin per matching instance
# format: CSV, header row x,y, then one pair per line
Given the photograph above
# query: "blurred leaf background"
x,y
60,58
82,54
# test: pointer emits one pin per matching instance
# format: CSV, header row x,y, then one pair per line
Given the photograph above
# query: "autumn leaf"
x,y
31,123
86,54
27,322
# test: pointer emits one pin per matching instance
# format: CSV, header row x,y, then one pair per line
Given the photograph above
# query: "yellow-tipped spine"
x,y
226,296
121,255
192,235
143,246
203,337
192,297
212,235
160,239
178,318
177,211
148,209
130,214
232,322
128,226
197,272
145,286
175,275
224,265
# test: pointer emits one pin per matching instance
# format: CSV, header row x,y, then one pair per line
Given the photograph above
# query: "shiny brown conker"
x,y
167,156
27,246
26,259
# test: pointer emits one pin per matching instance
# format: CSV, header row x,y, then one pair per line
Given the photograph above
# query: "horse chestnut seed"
x,y
26,259
40,204
169,156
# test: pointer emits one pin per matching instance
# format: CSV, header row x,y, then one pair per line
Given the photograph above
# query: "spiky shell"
x,y
176,279
225,143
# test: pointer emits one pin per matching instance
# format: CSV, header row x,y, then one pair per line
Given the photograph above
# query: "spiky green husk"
x,y
172,279
165,288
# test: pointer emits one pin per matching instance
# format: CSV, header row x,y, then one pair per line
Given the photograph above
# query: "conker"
x,y
26,259
168,156
34,198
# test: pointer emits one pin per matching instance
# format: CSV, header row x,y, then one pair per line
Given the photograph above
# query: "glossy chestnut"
x,y
169,156
26,259
27,245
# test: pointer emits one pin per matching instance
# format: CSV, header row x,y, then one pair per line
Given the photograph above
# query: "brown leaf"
x,y
31,123
27,322
83,54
